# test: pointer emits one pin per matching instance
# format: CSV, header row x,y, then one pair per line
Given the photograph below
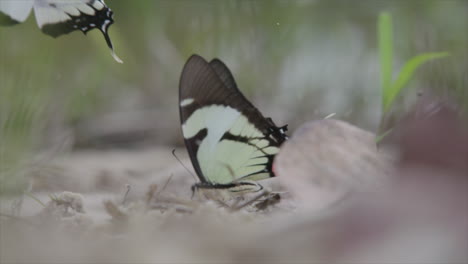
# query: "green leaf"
x,y
405,75
385,40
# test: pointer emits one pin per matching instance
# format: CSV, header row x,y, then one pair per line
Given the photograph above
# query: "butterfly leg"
x,y
234,187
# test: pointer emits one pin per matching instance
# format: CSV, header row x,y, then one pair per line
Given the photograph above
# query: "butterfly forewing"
x,y
227,138
224,74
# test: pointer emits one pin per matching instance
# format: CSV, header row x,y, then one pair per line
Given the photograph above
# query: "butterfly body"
x,y
230,143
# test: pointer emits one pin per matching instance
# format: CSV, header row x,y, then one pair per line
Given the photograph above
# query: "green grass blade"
x,y
385,40
405,75
380,137
30,195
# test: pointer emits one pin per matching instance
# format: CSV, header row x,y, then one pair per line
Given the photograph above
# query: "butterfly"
x,y
58,17
230,143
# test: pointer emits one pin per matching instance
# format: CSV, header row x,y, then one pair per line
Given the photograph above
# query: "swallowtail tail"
x,y
230,143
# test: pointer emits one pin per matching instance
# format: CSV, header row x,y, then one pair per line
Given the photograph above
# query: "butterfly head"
x,y
278,134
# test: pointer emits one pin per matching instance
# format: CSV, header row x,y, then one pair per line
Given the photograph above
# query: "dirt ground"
x,y
102,204
136,206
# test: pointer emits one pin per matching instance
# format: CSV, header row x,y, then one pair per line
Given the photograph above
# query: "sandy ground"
x,y
87,215
89,184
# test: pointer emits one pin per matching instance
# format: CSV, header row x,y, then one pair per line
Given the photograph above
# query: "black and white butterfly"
x,y
230,143
58,17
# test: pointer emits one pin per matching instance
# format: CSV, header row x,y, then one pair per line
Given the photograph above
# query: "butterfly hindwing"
x,y
58,17
13,12
227,138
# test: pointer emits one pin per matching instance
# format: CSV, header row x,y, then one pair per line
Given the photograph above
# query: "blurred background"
x,y
85,142
295,60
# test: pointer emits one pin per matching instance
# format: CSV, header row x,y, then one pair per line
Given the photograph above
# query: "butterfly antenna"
x,y
175,156
165,185
194,189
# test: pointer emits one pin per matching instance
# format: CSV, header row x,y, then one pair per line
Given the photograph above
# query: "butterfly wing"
x,y
13,12
227,138
58,17
224,74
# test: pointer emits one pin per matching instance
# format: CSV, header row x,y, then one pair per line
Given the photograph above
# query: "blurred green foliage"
x,y
296,60
392,88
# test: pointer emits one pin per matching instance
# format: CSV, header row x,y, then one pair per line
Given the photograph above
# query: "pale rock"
x,y
325,160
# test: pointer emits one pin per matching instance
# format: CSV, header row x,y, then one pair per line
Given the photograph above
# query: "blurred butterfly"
x,y
230,143
58,17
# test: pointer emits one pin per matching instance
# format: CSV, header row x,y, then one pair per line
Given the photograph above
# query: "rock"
x,y
325,160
